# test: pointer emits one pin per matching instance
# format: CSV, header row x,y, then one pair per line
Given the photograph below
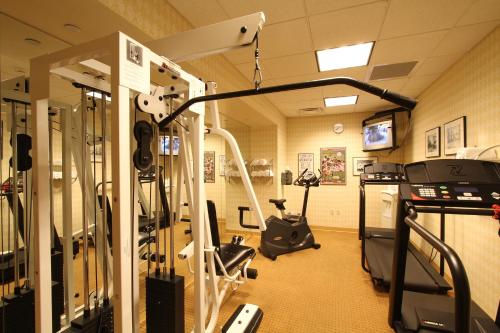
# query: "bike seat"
x,y
277,201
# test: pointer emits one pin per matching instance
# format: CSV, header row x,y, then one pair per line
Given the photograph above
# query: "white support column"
x,y
69,290
41,182
198,224
31,232
135,252
121,199
187,171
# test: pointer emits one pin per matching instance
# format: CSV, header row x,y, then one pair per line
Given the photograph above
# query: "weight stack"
x,y
164,304
57,276
20,311
100,321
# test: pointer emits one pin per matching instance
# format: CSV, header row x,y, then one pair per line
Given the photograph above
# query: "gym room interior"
x,y
145,147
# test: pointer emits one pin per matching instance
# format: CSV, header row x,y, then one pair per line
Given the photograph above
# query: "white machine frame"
x,y
126,76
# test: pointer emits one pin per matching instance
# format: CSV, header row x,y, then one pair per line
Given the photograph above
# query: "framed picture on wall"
x,y
454,136
358,164
433,142
209,167
306,161
333,161
222,165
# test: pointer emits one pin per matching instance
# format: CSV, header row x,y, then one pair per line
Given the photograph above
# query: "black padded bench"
x,y
231,255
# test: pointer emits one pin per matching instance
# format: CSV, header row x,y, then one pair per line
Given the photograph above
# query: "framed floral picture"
x,y
333,164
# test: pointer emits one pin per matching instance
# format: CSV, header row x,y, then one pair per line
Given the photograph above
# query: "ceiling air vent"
x,y
381,72
310,111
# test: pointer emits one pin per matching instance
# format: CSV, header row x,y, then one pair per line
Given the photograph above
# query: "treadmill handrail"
x,y
362,226
457,269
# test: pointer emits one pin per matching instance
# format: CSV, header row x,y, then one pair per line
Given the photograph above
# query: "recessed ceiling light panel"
x,y
338,101
344,57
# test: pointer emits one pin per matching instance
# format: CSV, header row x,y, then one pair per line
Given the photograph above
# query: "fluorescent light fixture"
x,y
98,95
338,101
344,57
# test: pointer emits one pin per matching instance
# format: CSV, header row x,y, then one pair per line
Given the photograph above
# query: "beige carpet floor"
x,y
317,291
320,291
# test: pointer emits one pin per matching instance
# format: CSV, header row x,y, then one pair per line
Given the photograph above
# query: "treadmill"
x,y
466,187
377,244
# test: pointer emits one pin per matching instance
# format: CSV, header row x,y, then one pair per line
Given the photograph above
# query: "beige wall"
x,y
471,88
332,205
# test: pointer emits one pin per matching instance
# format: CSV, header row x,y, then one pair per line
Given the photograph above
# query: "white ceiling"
x,y
436,33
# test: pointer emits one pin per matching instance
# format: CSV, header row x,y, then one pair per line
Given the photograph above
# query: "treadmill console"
x,y
381,177
448,182
382,172
486,193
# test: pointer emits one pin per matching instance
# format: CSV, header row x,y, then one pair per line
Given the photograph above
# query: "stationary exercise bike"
x,y
291,232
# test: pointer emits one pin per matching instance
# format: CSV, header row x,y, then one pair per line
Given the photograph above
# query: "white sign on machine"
x,y
134,65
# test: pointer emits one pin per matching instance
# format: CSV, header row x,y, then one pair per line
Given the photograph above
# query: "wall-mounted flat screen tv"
x,y
378,136
165,145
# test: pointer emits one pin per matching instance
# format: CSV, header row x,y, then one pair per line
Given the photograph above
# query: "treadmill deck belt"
x,y
420,275
441,310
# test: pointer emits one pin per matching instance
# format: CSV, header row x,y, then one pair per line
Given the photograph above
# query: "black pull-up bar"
x,y
406,102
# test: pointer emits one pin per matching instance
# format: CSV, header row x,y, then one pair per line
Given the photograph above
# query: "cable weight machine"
x,y
17,306
98,318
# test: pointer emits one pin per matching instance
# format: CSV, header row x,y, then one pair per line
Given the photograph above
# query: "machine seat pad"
x,y
144,238
277,201
233,255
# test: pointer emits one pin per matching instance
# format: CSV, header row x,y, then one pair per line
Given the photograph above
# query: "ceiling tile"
x,y
294,108
275,11
418,84
240,55
408,17
394,85
200,12
374,106
339,90
481,11
436,65
275,41
348,26
404,49
358,73
281,67
296,95
462,39
323,6
247,69
285,38
294,65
